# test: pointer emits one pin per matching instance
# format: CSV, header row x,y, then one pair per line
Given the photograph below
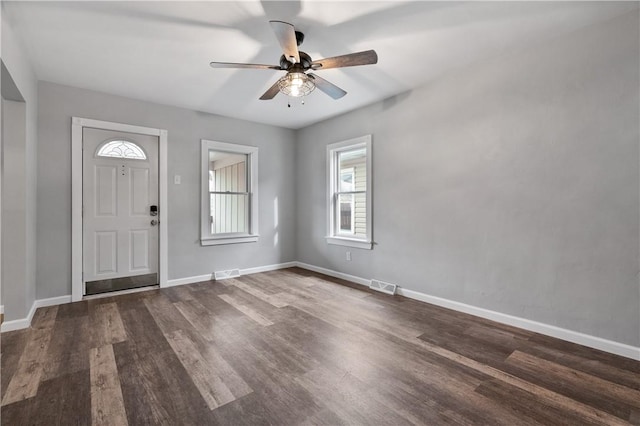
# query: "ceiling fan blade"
x,y
271,92
253,66
286,35
351,60
329,88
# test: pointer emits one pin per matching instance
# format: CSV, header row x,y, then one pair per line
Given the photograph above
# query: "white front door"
x,y
120,194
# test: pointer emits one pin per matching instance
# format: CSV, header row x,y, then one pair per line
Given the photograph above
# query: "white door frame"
x,y
77,124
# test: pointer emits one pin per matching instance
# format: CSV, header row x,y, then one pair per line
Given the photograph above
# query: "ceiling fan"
x,y
298,81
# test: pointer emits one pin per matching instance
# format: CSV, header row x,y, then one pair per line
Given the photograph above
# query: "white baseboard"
x,y
18,324
1,309
26,322
189,280
52,301
247,271
267,268
334,274
605,345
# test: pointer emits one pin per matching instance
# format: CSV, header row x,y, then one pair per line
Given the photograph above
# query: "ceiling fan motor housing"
x,y
305,62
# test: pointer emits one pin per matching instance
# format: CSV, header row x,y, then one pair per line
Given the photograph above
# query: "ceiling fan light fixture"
x,y
296,84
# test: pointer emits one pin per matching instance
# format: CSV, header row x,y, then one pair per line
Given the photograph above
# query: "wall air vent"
x,y
230,273
383,287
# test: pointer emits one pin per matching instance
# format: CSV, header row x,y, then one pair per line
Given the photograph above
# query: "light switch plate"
x,y
176,179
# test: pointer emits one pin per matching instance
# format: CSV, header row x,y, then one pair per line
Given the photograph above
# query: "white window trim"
x,y
206,238
333,180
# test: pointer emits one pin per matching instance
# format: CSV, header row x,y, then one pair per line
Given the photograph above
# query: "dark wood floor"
x,y
292,347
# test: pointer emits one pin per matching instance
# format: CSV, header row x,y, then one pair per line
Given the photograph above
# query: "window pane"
x,y
227,172
352,166
360,215
229,213
346,179
345,213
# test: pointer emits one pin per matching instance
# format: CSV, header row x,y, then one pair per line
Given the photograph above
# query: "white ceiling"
x,y
160,51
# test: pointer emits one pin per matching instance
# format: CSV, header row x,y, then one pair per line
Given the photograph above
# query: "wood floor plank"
x,y
269,298
529,405
586,352
26,380
265,283
217,382
250,410
68,350
107,404
280,396
594,367
265,309
64,400
44,318
12,346
551,397
73,310
179,294
254,315
607,396
106,325
19,413
348,398
156,388
270,369
166,315
142,386
142,330
207,322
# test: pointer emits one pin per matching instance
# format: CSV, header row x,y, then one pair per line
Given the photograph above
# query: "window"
x,y
349,193
347,204
121,149
229,193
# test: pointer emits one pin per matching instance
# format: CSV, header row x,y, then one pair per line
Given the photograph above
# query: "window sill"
x,y
350,242
228,240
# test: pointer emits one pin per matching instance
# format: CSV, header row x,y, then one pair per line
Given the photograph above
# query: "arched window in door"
x,y
121,149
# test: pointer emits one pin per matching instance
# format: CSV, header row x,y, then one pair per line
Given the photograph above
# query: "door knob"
x,y
154,222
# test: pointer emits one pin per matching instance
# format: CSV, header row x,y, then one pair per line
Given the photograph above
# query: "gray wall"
x,y
19,228
14,208
511,185
57,104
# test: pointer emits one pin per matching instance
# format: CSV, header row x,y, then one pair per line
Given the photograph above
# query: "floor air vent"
x,y
230,273
383,287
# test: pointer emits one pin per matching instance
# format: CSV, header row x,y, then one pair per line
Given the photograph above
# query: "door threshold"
x,y
110,285
120,292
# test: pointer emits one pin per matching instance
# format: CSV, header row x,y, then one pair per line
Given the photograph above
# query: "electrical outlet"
x,y
349,255
176,179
